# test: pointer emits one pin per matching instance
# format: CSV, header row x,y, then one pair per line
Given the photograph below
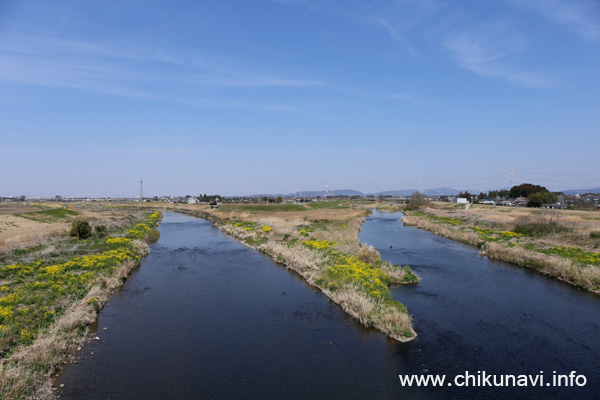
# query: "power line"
x,y
566,180
553,174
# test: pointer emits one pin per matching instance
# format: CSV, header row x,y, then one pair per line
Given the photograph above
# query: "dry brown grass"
x,y
446,231
354,303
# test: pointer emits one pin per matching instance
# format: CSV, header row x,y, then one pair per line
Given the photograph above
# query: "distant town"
x,y
580,201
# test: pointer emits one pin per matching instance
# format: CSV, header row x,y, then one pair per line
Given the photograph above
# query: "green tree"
x,y
526,190
541,198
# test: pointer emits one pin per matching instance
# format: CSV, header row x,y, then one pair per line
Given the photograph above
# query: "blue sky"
x,y
243,97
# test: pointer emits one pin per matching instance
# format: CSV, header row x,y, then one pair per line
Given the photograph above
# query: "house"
x,y
192,200
462,200
521,201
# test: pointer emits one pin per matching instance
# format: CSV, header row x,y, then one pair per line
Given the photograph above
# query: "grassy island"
x,y
320,242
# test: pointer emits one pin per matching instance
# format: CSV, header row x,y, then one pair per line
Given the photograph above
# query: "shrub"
x,y
368,254
153,235
100,231
542,224
81,229
595,234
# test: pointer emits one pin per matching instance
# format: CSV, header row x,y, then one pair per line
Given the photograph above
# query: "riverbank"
x,y
52,291
558,243
320,243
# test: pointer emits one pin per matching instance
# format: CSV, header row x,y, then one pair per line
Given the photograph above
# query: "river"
x,y
206,317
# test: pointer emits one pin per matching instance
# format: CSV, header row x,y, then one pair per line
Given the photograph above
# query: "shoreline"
x,y
553,266
29,370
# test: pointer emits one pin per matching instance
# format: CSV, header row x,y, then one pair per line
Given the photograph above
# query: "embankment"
x,y
559,260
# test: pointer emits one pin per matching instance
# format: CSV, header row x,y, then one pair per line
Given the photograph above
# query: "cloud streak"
x,y
112,68
579,16
397,37
491,51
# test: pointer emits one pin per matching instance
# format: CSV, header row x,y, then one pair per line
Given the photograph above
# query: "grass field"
x,y
54,215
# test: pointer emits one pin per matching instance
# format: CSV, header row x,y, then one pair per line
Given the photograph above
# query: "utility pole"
x,y
141,191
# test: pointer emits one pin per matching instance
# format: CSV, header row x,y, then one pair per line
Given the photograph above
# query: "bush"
x,y
153,235
417,199
542,224
81,229
595,235
100,231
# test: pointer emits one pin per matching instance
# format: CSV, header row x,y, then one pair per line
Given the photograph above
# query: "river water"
x,y
208,318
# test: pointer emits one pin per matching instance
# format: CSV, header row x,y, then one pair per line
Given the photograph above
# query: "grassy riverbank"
x,y
320,243
558,243
52,291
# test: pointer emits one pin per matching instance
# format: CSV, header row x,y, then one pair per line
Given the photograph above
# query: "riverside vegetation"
x,y
320,242
559,243
52,291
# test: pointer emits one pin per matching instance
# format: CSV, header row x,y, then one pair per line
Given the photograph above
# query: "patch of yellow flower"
x,y
351,270
39,290
118,240
319,244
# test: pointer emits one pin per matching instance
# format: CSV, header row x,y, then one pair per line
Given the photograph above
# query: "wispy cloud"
x,y
579,16
490,51
128,70
397,36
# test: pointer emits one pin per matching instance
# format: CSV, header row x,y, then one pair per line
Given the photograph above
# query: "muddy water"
x,y
208,318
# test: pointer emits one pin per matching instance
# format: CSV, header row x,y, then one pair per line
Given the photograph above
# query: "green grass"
x,y
329,204
264,207
53,215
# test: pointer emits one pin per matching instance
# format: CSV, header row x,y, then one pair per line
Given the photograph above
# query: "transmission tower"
x,y
326,190
141,190
420,180
513,175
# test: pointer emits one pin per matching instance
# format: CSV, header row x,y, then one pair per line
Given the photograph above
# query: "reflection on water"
x,y
206,317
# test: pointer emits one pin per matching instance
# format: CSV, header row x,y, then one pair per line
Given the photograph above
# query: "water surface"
x,y
208,318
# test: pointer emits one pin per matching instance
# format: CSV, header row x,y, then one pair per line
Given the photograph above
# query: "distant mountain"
x,y
314,193
442,191
581,191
